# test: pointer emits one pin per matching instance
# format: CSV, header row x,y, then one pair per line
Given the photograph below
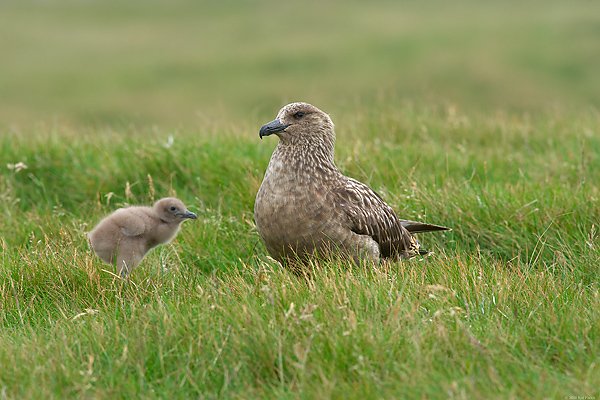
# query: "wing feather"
x,y
130,221
369,215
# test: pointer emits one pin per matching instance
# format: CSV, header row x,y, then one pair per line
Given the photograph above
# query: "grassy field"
x,y
481,117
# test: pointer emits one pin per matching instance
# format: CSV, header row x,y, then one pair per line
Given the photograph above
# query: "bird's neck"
x,y
165,232
304,162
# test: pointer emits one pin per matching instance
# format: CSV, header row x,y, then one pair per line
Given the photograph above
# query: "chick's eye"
x,y
299,114
173,208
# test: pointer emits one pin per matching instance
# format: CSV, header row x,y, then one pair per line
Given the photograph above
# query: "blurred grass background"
x,y
183,63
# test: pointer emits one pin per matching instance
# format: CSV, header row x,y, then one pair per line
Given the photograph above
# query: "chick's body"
x,y
127,235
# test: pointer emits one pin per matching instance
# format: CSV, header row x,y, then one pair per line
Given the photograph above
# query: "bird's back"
x,y
123,233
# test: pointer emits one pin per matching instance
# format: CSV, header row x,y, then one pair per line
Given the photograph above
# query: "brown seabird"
x,y
306,207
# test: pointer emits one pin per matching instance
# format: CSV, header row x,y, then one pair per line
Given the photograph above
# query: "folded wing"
x,y
369,215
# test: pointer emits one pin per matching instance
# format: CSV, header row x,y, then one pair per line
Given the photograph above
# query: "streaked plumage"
x,y
128,234
305,204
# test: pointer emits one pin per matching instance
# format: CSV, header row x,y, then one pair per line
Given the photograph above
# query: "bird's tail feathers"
x,y
419,227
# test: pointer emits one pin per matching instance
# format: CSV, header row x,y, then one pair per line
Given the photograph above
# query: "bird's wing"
x,y
369,215
129,221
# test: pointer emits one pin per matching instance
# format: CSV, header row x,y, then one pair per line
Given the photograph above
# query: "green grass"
x,y
474,116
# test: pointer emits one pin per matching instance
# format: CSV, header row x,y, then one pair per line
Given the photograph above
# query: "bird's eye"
x,y
173,208
299,114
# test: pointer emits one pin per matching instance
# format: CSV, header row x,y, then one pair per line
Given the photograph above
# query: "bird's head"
x,y
301,124
171,209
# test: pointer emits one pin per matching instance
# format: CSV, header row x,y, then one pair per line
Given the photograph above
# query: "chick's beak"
x,y
189,215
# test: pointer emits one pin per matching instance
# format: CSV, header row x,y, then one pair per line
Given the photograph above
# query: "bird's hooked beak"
x,y
272,127
188,215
